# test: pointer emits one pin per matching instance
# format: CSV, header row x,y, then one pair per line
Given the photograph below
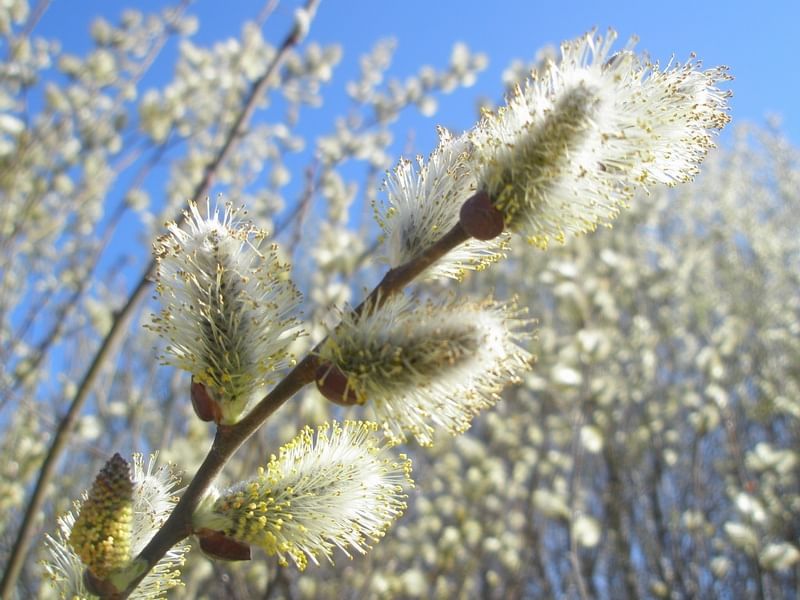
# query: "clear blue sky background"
x,y
758,40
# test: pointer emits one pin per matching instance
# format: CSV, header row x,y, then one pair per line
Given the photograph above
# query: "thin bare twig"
x,y
33,20
302,208
574,476
265,12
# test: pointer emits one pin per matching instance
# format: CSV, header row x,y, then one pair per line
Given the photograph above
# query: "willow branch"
x,y
229,438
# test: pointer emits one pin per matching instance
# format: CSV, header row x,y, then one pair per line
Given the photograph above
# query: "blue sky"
x,y
758,40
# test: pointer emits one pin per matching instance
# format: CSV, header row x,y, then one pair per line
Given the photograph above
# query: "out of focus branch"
x,y
123,317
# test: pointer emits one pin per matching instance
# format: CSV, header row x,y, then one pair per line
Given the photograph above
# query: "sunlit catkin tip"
x,y
426,367
228,311
101,536
336,487
570,148
424,203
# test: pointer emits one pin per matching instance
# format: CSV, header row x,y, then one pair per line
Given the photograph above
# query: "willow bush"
x,y
648,450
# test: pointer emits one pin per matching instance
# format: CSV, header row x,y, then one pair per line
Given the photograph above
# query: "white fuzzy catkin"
x,y
153,498
228,306
570,147
426,367
336,487
424,200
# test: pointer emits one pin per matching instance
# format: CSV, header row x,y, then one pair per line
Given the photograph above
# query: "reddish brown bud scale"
x,y
98,587
480,218
115,475
205,407
332,384
217,545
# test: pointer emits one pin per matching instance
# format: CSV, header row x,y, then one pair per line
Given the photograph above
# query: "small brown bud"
x,y
205,407
332,384
98,587
480,218
217,545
